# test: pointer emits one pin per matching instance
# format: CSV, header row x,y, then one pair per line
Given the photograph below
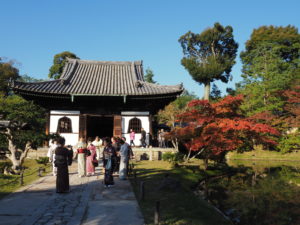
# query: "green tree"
x,y
149,76
22,126
210,55
215,93
26,78
169,114
8,72
270,64
59,61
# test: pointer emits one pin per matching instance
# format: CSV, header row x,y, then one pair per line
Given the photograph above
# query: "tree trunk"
x,y
188,156
205,163
175,144
16,161
206,91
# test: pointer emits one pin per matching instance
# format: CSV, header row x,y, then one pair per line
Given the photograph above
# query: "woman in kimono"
x,y
90,168
98,144
116,145
81,157
109,155
51,155
63,159
132,137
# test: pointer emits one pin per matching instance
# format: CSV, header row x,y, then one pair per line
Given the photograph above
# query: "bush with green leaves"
x,y
3,165
290,143
173,157
42,160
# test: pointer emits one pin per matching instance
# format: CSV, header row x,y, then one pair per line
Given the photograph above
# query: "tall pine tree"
x,y
210,55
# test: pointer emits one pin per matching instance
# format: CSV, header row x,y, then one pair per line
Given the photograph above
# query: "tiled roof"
x,y
82,77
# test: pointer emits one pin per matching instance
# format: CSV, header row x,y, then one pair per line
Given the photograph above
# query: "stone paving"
x,y
89,202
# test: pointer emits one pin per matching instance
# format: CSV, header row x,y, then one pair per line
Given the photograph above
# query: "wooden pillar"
x,y
82,126
150,125
47,131
47,128
117,126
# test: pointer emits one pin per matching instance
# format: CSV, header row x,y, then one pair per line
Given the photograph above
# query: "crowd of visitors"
x,y
113,154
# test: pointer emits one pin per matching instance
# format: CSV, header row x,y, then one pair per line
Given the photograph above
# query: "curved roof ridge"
x,y
160,85
37,82
137,63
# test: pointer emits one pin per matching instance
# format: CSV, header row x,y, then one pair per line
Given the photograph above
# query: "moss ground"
x,y
10,183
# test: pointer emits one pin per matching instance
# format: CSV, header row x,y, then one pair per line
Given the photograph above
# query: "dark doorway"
x,y
101,126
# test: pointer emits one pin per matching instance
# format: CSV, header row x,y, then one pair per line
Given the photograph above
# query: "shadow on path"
x,y
87,203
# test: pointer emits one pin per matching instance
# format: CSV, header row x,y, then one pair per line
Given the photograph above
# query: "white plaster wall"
x,y
145,124
71,138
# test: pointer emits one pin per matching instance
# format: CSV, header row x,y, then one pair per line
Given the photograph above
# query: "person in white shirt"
x,y
99,150
51,155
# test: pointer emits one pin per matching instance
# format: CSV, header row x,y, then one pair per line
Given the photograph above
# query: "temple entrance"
x,y
101,126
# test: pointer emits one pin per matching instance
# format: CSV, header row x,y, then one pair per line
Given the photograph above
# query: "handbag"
x,y
95,162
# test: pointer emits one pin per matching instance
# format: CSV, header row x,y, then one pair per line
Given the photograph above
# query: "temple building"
x,y
99,98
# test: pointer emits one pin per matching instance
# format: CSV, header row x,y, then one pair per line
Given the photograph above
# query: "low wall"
x,y
150,153
139,153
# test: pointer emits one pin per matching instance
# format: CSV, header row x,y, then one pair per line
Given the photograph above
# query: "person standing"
x,y
63,159
161,138
98,144
116,145
132,137
124,158
90,168
143,139
81,157
51,155
109,155
130,153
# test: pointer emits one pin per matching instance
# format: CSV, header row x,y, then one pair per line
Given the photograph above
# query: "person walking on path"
x,y
51,155
143,139
109,155
81,157
98,144
124,158
132,137
63,159
90,159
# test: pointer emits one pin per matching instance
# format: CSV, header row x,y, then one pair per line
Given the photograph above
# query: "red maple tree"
x,y
216,128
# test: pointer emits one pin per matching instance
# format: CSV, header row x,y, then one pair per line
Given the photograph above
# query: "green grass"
x,y
179,206
10,183
264,155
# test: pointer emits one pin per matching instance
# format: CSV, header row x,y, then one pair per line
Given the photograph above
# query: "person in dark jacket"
x,y
63,159
143,138
116,145
109,159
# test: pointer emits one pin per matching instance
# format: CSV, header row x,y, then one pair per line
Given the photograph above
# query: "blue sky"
x,y
33,31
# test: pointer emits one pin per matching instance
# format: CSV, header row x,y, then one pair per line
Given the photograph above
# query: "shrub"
x,y
167,156
42,160
290,143
4,164
173,157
